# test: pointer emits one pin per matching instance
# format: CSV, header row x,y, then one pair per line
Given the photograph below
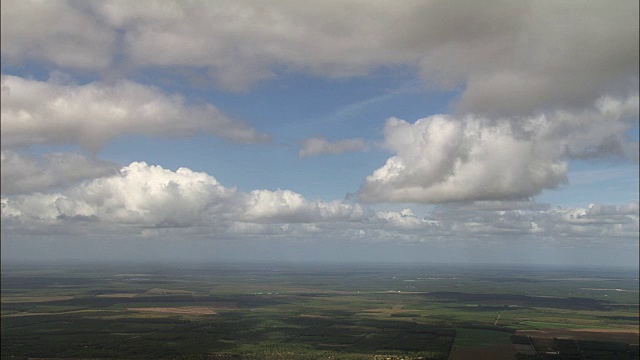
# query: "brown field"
x,y
133,275
626,335
315,316
55,313
119,295
185,310
33,299
392,310
158,291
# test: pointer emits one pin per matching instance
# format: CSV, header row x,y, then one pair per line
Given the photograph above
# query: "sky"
x,y
493,132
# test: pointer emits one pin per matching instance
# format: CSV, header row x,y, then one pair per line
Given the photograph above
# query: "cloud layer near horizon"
x,y
142,199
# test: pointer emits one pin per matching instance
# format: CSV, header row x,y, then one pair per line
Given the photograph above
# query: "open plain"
x,y
286,311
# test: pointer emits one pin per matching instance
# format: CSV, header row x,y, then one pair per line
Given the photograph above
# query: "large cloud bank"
x,y
511,57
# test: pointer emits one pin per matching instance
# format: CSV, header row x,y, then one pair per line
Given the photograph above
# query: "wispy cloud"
x,y
352,110
319,145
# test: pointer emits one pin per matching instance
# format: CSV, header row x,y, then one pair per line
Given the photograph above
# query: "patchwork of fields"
x,y
309,312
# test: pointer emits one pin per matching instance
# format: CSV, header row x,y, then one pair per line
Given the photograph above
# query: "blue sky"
x,y
494,133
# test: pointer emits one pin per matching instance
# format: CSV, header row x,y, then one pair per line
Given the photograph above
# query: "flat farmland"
x,y
275,311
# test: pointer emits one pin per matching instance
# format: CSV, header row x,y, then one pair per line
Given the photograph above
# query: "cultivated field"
x,y
481,345
185,310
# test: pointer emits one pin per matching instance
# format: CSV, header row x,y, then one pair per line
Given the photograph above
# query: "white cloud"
x,y
442,158
318,145
36,112
24,174
288,206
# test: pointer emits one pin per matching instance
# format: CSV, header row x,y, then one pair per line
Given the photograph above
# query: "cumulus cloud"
x,y
145,196
24,174
442,158
37,112
511,58
319,145
139,195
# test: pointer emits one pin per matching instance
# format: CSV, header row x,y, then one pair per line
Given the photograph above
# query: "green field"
x,y
481,344
252,311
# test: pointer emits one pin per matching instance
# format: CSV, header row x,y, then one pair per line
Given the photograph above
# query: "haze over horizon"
x,y
492,132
